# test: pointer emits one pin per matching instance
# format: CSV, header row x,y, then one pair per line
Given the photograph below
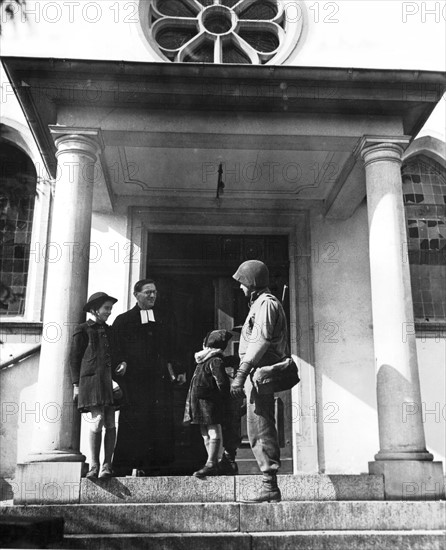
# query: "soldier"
x,y
263,341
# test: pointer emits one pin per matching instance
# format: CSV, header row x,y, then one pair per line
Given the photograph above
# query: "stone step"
x,y
295,540
21,532
233,517
229,489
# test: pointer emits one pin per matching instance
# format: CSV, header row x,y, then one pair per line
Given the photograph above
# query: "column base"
x,y
55,456
48,483
414,455
410,479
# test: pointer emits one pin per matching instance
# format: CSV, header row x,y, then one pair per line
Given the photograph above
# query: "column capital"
x,y
86,141
382,148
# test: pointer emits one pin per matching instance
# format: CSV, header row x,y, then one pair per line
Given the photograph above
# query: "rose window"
x,y
222,31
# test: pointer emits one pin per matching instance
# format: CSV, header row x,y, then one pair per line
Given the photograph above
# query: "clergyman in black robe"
x,y
145,440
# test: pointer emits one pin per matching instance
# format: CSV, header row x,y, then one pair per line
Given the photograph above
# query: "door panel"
x,y
188,305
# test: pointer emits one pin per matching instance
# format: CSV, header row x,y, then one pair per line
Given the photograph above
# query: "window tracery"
x,y
223,31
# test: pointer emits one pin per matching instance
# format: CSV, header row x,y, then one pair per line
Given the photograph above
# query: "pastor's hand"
x,y
180,379
75,393
121,369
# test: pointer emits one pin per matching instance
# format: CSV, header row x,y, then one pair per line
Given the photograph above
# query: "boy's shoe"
x,y
227,466
92,472
207,470
106,472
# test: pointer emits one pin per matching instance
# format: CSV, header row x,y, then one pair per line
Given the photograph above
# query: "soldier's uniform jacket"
x,y
264,337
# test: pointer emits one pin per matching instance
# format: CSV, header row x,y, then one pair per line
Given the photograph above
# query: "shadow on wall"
x,y
399,413
18,412
431,350
6,490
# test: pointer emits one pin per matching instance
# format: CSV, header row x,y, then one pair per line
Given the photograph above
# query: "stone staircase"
x,y
317,512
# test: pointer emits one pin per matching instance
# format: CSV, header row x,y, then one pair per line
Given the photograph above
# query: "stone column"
x,y
403,459
57,430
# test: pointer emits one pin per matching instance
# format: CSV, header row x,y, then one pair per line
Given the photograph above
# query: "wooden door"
x,y
188,304
197,293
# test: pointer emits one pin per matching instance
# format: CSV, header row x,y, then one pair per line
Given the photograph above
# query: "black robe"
x,y
145,434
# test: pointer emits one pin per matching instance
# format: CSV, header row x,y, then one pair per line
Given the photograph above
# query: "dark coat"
x,y
145,434
93,358
143,346
208,392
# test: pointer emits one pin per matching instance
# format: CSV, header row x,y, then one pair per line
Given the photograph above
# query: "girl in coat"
x,y
205,403
93,362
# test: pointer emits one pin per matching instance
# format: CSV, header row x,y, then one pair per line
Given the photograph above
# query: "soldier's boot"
x,y
270,491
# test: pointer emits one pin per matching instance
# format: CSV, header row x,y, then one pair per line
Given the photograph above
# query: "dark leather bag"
x,y
281,376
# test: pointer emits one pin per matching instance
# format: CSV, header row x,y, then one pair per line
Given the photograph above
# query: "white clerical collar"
x,y
147,315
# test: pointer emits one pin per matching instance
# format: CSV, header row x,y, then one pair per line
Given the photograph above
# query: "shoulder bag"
x,y
281,376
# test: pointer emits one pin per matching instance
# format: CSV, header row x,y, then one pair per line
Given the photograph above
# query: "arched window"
x,y
424,190
18,181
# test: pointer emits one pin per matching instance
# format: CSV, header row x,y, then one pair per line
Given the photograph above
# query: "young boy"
x,y
208,392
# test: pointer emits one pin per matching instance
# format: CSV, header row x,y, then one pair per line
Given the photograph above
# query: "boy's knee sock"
x,y
213,450
206,442
95,439
109,444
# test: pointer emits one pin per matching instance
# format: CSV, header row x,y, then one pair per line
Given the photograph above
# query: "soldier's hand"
x,y
237,389
238,384
75,393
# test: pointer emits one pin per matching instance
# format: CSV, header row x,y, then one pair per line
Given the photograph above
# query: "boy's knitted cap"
x,y
217,339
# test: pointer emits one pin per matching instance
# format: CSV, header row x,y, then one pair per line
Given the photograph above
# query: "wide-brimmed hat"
x,y
97,299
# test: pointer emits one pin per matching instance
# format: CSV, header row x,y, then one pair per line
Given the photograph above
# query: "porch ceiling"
x,y
255,171
287,134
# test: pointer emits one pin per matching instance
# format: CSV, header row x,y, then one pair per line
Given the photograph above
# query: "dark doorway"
x,y
197,293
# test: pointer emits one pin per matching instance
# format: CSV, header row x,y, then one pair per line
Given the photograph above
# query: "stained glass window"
x,y
424,190
17,196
